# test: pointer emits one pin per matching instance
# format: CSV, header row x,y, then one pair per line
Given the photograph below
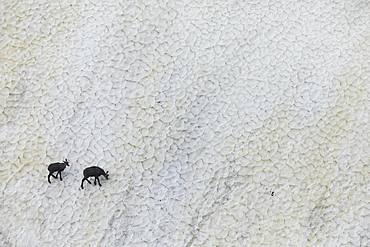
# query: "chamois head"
x,y
66,162
106,175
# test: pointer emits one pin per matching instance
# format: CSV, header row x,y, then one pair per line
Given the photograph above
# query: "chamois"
x,y
93,171
57,167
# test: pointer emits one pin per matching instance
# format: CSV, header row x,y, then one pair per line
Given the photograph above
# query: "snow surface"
x,y
222,123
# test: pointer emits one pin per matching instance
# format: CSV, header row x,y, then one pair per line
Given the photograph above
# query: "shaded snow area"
x,y
221,123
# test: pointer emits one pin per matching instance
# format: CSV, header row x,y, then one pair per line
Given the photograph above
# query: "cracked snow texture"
x,y
199,110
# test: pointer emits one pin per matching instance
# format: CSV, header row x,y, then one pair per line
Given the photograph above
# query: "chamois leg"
x,y
60,176
82,183
98,180
50,174
95,181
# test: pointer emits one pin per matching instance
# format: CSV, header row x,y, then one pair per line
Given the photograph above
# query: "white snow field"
x,y
221,123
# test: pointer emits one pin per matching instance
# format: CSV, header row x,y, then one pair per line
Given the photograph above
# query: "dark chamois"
x,y
93,171
57,167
